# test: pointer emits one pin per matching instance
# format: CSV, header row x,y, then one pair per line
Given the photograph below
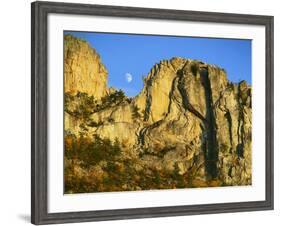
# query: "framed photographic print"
x,y
140,112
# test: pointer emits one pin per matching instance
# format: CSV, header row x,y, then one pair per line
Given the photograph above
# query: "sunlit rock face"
x,y
188,117
83,70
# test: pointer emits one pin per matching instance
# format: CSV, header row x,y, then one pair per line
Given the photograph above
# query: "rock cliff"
x,y
83,70
189,122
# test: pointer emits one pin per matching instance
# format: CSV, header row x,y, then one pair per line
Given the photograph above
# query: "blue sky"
x,y
129,57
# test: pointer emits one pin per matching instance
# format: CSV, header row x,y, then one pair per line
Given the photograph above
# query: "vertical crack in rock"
x,y
148,100
171,94
185,102
229,120
240,131
210,144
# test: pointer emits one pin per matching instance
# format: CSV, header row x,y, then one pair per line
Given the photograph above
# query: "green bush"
x,y
112,99
90,151
80,106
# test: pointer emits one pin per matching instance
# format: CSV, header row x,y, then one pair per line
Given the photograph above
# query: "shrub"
x,y
90,151
80,106
112,99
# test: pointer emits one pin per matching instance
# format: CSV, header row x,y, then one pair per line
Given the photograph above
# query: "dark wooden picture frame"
x,y
39,193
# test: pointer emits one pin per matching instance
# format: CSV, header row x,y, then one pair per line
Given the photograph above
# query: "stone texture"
x,y
83,70
188,116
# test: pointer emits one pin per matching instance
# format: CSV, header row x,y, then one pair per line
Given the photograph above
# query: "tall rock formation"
x,y
201,118
83,70
188,117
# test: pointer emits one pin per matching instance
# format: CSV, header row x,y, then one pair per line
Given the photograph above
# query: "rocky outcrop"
x,y
192,108
188,117
83,70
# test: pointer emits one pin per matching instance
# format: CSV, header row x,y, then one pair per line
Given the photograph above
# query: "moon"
x,y
129,77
